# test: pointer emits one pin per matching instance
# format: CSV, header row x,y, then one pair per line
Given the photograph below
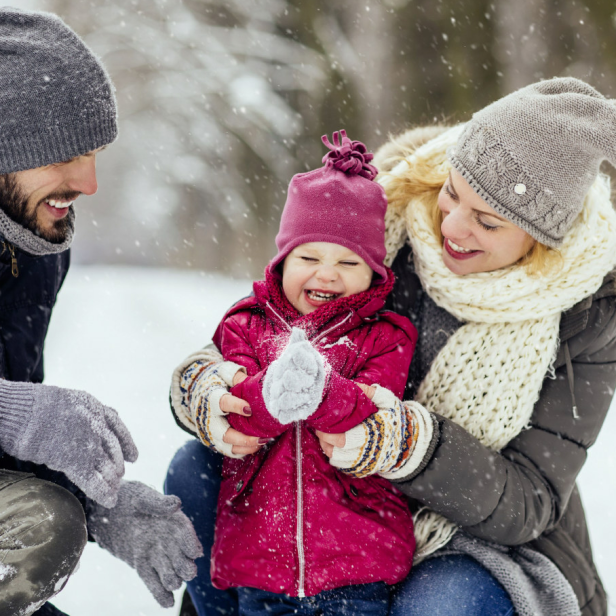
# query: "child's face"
x,y
319,272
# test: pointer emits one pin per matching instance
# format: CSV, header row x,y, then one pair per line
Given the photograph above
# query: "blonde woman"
x,y
503,238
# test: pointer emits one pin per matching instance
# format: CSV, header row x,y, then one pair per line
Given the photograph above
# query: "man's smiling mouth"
x,y
58,204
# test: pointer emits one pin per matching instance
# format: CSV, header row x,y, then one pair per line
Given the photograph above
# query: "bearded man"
x,y
62,451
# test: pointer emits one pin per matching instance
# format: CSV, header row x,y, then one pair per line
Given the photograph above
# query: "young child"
x,y
292,529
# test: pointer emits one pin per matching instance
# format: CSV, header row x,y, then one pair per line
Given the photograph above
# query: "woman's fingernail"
x,y
247,410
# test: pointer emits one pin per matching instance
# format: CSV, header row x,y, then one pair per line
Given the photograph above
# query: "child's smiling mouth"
x,y
320,297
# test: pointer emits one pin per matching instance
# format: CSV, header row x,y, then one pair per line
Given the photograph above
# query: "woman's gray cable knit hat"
x,y
534,154
56,100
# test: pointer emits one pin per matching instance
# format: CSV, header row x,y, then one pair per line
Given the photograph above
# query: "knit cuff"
x,y
383,398
379,442
16,403
227,370
348,456
217,424
209,418
178,393
426,428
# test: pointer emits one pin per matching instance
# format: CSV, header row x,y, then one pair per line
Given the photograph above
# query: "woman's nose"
x,y
456,223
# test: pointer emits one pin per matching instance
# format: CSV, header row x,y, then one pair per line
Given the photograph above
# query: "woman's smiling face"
x,y
475,237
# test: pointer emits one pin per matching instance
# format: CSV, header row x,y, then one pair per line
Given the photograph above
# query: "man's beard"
x,y
14,203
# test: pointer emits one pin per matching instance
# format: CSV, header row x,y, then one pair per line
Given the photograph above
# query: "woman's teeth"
x,y
60,205
321,297
458,248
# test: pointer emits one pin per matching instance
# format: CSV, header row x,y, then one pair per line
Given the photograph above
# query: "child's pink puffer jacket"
x,y
289,522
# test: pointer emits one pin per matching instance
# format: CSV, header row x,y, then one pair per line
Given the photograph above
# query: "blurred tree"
x,y
222,101
210,102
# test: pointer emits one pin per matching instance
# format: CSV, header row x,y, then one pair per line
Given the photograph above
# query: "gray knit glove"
x,y
293,384
68,431
147,530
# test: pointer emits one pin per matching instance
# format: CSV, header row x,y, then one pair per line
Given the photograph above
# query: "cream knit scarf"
x,y
488,376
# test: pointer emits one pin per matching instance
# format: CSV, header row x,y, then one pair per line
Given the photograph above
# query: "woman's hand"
x,y
395,442
329,441
204,389
369,390
241,443
238,377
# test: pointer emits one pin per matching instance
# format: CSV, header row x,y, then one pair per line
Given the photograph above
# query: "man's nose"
x,y
82,175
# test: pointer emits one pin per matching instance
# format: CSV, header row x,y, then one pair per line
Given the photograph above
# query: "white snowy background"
x,y
213,120
119,332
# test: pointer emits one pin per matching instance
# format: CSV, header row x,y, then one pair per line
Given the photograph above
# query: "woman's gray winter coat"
x,y
526,494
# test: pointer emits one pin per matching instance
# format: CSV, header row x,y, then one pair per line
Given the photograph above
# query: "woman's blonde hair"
x,y
422,183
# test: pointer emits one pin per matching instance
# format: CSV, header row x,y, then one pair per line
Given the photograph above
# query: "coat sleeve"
x,y
235,346
344,404
514,496
232,339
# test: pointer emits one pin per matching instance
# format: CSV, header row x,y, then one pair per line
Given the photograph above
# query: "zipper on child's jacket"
x,y
332,328
8,246
299,530
299,535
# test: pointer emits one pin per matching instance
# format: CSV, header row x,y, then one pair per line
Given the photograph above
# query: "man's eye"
x,y
60,164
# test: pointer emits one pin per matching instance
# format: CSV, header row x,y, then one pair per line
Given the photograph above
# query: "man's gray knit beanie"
x,y
56,100
533,155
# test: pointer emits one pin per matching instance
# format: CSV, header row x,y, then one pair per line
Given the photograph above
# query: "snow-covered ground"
x,y
119,332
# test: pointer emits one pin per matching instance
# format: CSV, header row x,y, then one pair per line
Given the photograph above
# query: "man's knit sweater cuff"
x,y
16,402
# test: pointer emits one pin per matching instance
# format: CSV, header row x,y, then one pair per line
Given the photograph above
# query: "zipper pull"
x,y
14,269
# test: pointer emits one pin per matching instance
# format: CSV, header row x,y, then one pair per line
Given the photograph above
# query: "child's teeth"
x,y
321,296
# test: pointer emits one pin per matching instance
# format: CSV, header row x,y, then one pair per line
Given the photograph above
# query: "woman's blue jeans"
x,y
364,599
444,586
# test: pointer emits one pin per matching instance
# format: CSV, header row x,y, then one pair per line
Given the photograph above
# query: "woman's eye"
x,y
450,192
483,225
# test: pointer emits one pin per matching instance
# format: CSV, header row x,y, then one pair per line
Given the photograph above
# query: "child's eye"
x,y
309,259
349,263
483,225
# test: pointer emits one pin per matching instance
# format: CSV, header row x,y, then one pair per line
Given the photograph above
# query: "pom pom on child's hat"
x,y
338,203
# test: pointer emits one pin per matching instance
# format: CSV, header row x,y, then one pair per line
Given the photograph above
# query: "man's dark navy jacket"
x,y
26,302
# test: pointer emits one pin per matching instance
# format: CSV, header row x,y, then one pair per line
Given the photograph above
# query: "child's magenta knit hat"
x,y
338,203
